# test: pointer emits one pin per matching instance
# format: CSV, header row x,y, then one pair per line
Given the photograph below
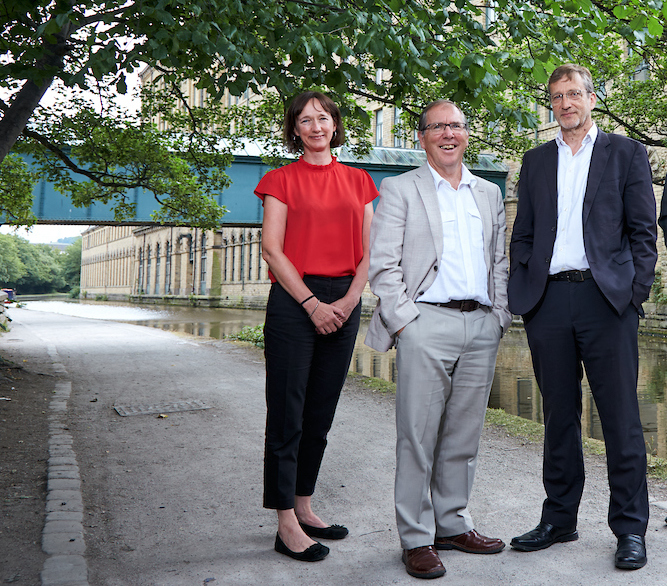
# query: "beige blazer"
x,y
406,248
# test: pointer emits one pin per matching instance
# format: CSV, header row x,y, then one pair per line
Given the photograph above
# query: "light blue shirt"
x,y
569,252
462,272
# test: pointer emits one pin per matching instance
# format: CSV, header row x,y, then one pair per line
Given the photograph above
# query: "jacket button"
x,y
435,268
420,293
553,228
547,260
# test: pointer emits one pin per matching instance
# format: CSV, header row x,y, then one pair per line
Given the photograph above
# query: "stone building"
x,y
167,264
224,267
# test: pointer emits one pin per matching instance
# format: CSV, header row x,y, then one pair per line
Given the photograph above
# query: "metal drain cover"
x,y
127,410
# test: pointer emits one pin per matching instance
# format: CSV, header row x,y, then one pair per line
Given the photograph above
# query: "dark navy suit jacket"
x,y
619,222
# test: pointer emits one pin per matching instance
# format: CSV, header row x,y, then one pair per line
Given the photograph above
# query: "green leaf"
x,y
655,27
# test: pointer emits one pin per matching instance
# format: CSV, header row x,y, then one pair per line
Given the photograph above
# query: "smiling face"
x,y
315,127
444,149
572,114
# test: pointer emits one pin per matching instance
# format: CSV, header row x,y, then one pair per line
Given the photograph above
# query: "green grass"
x,y
373,384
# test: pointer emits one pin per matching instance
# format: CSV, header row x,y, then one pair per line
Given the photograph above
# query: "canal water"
x,y
514,388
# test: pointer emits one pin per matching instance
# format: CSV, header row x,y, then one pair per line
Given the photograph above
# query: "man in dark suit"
x,y
582,261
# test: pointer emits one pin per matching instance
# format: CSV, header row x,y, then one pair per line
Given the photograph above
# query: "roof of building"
x,y
389,156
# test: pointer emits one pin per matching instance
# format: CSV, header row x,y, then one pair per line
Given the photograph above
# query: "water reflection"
x,y
514,387
206,322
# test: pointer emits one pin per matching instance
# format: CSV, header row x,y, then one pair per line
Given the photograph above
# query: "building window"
x,y
148,269
202,268
233,258
157,269
140,284
399,139
250,257
490,13
259,255
167,269
378,127
641,72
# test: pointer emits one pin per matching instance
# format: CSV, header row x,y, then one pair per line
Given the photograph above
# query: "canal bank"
x,y
174,498
514,387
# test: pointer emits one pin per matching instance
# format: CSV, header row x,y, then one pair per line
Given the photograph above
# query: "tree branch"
x,y
72,166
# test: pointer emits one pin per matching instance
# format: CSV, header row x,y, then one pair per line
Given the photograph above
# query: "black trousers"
x,y
305,373
574,325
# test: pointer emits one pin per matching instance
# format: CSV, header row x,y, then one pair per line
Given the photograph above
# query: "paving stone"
x,y
63,484
63,543
64,500
64,472
63,527
59,460
74,516
65,570
62,451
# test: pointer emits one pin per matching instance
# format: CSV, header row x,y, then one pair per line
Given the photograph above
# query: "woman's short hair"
x,y
291,141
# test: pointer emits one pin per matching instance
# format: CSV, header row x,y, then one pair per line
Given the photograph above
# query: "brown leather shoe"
x,y
471,542
423,562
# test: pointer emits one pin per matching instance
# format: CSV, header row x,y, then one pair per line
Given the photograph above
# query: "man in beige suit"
x,y
439,268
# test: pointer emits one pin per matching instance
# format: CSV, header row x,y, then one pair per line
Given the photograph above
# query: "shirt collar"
x,y
590,137
467,178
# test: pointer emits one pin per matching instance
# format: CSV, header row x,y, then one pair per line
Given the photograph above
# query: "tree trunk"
x,y
23,104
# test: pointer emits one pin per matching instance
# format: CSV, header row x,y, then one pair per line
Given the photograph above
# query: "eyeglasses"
x,y
572,95
439,127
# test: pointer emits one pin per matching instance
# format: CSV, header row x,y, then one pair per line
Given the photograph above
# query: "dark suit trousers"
x,y
575,325
305,373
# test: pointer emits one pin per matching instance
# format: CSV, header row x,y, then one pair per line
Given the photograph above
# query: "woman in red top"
x,y
317,216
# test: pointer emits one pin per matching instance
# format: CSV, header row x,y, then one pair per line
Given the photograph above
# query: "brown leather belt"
x,y
572,276
463,305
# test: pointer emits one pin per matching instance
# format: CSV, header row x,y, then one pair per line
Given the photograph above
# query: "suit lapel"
x,y
426,189
599,159
550,165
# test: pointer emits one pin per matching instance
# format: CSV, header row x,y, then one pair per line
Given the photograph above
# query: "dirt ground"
x,y
23,461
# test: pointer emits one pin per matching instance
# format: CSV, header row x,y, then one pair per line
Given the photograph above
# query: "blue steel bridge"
x,y
244,209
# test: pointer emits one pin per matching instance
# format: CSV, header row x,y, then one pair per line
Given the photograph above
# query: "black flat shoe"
x,y
631,552
331,532
543,536
314,553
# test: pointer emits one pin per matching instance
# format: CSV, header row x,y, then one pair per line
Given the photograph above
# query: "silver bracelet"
x,y
314,310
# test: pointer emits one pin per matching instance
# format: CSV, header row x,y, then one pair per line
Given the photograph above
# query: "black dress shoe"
x,y
314,553
631,552
331,532
543,536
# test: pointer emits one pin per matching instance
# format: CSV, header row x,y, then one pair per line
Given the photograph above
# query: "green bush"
x,y
254,335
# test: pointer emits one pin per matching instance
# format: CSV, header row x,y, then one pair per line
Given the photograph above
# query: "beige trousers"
x,y
445,361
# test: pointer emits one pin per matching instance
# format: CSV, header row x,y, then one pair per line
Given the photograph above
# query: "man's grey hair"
x,y
422,116
567,71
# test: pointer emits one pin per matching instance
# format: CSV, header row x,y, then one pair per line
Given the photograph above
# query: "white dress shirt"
x,y
569,252
462,273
